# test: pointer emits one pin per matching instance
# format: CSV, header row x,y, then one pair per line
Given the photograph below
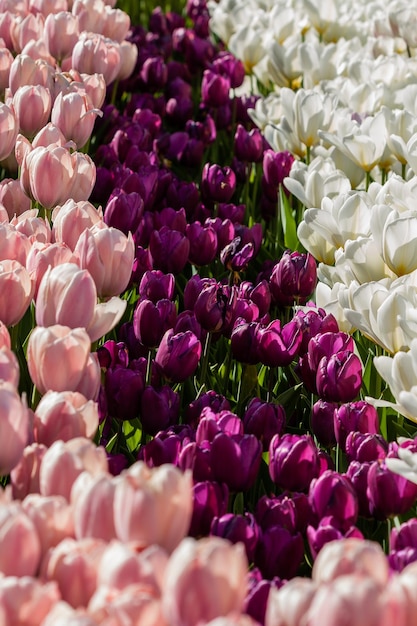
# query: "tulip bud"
x,y
151,321
209,501
264,420
178,355
293,278
235,460
278,345
218,183
237,528
169,250
293,461
322,422
279,552
389,494
364,448
214,89
159,409
339,377
355,416
332,495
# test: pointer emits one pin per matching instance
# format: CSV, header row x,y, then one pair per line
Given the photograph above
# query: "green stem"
x,y
205,359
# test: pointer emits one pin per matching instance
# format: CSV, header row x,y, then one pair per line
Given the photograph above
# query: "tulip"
x,y
16,282
293,461
215,89
289,604
389,493
52,517
24,477
355,416
332,494
237,528
178,355
159,409
32,105
339,378
214,306
151,321
322,422
13,198
124,387
9,128
364,447
153,506
47,175
71,219
248,145
218,184
93,53
124,211
14,427
244,341
27,600
169,250
328,530
196,588
74,114
279,552
278,345
17,529
235,460
210,500
293,278
264,420
64,416
84,177
92,504
155,285
203,243
61,33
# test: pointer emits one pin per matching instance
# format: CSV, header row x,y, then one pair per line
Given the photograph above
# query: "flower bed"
x,y
207,325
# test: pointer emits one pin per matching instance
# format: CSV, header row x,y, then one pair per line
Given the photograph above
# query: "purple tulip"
x,y
237,528
124,388
339,377
210,499
258,594
236,256
196,457
124,211
276,166
188,321
161,450
214,307
154,73
279,553
203,243
178,355
215,401
358,476
172,218
293,461
264,420
235,460
293,278
210,424
113,353
248,145
259,293
312,322
322,422
169,250
244,341
151,321
277,511
233,212
218,183
155,285
215,89
399,559
278,345
159,408
355,416
228,65
332,495
364,447
328,530
389,494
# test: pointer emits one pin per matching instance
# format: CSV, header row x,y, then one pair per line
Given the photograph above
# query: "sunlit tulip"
x,y
74,114
14,427
196,570
24,477
16,528
178,355
9,128
32,105
61,32
93,53
92,499
72,218
26,600
26,71
288,605
52,517
153,505
24,29
47,175
16,282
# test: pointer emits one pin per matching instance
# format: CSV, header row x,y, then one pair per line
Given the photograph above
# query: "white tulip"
x,y
395,235
310,184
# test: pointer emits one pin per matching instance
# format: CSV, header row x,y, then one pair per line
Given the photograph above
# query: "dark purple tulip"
x,y
358,475
117,463
237,528
264,420
159,408
194,287
339,377
203,243
154,73
236,256
113,353
364,447
328,530
293,278
169,250
228,65
389,493
276,167
211,424
187,321
244,342
124,388
178,355
196,457
141,264
278,345
174,219
151,321
332,495
218,183
277,511
248,144
214,307
235,460
251,235
124,211
233,212
178,110
357,416
405,536
293,461
215,401
210,499
135,348
259,293
149,120
257,597
279,553
155,285
322,422
161,450
183,194
312,322
399,559
321,345
215,89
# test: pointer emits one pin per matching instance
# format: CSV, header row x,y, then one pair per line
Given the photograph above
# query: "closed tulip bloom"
x,y
14,427
74,114
389,494
32,105
218,183
18,535
26,600
156,285
124,210
64,415
27,71
236,528
288,605
204,579
293,461
48,174
84,177
61,32
24,477
13,198
278,345
178,355
52,517
151,321
329,529
17,284
203,243
248,144
93,53
41,256
48,348
339,377
357,416
332,494
365,447
92,506
124,387
322,422
293,278
169,250
159,408
279,552
210,500
264,420
244,341
9,367
71,219
9,128
153,506
235,460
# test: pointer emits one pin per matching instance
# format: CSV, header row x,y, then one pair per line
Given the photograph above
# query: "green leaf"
x,y
289,226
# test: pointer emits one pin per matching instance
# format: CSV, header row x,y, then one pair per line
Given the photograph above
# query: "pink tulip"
x,y
71,219
36,229
116,25
67,295
153,506
95,86
41,256
73,565
52,518
128,57
132,605
64,415
14,245
20,544
61,32
48,174
24,477
5,341
13,198
351,599
6,60
50,136
9,128
45,7
351,556
234,619
26,71
93,53
24,29
14,428
92,498
288,605
204,579
48,348
62,614
26,601
84,176
108,255
91,15
398,605
63,462
74,114
32,105
9,367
